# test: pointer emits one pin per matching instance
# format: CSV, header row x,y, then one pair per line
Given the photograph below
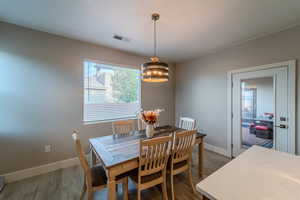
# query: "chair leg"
x,y
164,185
172,186
125,189
83,189
90,195
191,178
139,194
164,191
92,157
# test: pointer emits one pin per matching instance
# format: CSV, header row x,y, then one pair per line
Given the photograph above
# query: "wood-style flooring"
x,y
66,184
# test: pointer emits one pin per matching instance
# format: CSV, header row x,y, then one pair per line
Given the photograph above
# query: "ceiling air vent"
x,y
119,37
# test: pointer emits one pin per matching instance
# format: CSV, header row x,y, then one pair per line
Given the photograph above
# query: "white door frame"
x,y
291,64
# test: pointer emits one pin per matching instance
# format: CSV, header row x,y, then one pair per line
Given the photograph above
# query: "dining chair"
x,y
154,155
141,124
123,127
181,157
187,123
95,177
157,122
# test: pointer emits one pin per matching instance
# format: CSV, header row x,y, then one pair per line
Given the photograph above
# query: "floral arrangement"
x,y
150,116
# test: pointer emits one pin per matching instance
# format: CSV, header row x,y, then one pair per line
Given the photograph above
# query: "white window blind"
x,y
110,92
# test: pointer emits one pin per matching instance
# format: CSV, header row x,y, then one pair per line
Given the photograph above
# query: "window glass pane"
x,y
257,112
110,92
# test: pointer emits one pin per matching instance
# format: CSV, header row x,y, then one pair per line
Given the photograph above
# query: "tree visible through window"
x,y
125,92
110,92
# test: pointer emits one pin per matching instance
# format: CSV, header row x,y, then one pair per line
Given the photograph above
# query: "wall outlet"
x,y
48,148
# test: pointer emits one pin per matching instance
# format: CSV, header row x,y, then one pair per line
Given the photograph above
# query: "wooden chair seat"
x,y
180,164
178,167
99,176
144,179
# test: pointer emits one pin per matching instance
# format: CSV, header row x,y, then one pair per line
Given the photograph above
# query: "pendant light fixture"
x,y
155,71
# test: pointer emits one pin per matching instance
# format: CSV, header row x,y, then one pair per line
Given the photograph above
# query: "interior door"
x,y
260,109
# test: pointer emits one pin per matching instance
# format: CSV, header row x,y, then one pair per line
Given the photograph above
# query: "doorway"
x,y
257,112
262,108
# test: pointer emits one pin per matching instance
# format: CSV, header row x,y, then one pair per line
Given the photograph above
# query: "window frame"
x,y
114,65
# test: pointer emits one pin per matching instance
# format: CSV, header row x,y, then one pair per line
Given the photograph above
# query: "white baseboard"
x,y
216,149
26,173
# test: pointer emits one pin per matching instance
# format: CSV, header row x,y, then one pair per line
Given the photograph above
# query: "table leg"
x,y
111,189
92,156
200,158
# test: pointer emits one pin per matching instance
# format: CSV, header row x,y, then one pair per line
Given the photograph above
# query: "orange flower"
x,y
150,117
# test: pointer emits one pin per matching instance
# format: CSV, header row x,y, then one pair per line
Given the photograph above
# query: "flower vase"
x,y
149,130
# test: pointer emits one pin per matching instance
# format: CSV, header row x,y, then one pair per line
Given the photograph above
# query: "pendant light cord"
x,y
154,36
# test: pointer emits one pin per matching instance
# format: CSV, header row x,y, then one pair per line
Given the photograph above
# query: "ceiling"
x,y
186,29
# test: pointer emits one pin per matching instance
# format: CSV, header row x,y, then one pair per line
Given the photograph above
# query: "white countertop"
x,y
257,174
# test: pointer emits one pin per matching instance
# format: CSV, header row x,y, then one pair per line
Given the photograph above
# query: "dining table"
x,y
119,153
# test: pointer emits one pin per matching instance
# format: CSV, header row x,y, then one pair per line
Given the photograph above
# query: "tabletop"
x,y
258,173
119,148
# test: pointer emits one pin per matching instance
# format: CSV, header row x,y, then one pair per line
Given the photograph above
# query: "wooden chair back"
x,y
187,123
154,155
182,156
141,124
157,123
182,146
81,155
123,127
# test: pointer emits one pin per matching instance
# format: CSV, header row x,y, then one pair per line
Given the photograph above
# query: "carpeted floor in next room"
x,y
66,184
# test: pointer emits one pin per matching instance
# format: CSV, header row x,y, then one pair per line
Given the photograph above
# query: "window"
x,y
110,92
249,99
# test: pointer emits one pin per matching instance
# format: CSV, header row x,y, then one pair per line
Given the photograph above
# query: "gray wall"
x,y
41,95
201,83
